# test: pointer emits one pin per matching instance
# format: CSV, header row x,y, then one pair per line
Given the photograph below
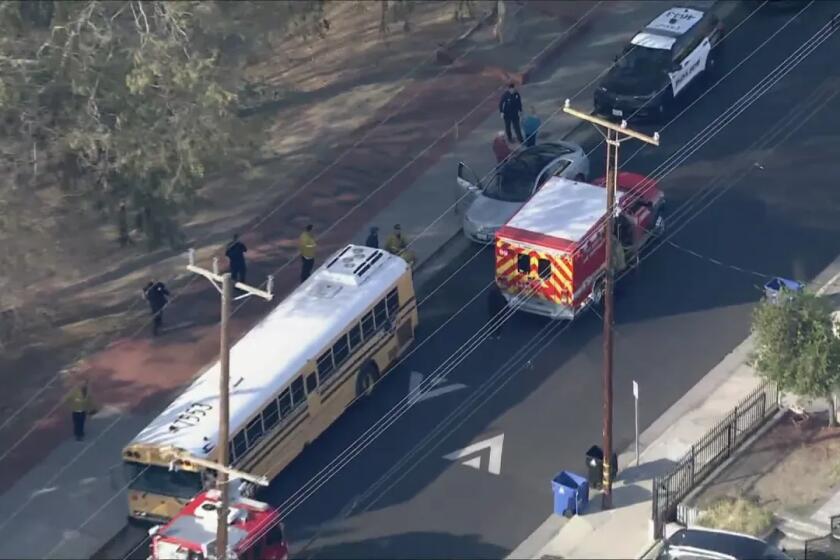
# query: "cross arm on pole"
x,y
620,128
216,279
177,456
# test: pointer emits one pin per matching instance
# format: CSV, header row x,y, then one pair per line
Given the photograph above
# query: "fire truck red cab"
x,y
551,256
254,531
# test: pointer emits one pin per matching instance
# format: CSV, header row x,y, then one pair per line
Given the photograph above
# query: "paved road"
x,y
676,318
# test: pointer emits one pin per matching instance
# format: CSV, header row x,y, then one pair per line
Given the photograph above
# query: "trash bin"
x,y
777,286
595,466
571,493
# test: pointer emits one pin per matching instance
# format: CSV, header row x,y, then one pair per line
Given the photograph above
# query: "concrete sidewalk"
x,y
69,499
626,530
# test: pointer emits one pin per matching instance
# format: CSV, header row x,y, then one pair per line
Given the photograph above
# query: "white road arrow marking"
x,y
429,393
494,444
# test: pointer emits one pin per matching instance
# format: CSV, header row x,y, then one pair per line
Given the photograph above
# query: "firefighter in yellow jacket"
x,y
81,404
398,245
306,245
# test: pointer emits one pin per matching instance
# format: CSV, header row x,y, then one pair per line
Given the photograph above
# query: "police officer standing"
x,y
236,258
158,296
306,246
510,107
372,240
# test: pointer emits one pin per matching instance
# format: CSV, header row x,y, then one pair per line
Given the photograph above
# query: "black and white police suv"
x,y
670,54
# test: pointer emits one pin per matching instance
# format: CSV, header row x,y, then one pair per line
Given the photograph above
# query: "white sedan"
x,y
487,207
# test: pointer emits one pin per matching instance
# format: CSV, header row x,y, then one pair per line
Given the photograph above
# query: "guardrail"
x,y
709,452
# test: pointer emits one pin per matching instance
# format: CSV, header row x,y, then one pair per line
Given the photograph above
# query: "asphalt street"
x,y
772,210
758,195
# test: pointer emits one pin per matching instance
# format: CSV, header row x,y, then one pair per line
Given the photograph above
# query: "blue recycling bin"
x,y
571,493
774,289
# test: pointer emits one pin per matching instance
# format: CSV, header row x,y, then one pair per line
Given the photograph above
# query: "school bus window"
x,y
284,402
523,263
340,350
544,268
355,335
311,383
270,415
368,327
325,365
298,396
380,314
393,303
254,431
239,444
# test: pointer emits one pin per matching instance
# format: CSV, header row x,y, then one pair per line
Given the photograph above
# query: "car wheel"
x,y
580,178
666,104
709,72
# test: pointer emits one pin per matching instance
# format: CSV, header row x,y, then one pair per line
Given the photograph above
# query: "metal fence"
x,y
827,547
709,452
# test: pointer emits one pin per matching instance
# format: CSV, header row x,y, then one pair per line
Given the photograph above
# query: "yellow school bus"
x,y
291,376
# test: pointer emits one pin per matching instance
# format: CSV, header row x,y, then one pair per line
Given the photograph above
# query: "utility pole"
x,y
614,136
224,284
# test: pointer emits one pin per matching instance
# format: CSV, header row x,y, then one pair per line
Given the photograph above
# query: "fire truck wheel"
x,y
658,224
598,292
368,376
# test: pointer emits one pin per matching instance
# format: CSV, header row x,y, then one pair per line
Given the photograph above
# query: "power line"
x,y
311,181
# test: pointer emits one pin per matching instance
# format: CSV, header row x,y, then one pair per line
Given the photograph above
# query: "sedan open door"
x,y
469,186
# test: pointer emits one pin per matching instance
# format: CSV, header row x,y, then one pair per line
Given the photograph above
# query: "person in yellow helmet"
x,y
306,245
81,404
396,244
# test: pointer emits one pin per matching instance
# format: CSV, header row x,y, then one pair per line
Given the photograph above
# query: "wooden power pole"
x,y
615,135
225,285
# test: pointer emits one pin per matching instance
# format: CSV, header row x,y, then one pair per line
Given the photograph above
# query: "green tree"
x,y
796,347
132,100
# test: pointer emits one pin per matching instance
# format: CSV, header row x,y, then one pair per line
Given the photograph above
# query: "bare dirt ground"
x,y
99,324
791,469
326,89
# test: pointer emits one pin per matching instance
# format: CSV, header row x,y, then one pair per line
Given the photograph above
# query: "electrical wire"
x,y
288,509
479,294
6,421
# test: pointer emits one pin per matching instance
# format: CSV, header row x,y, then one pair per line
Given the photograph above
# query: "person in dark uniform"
x,y
510,107
158,296
372,240
236,257
496,303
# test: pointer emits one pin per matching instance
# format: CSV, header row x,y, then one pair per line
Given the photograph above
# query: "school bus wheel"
x,y
368,376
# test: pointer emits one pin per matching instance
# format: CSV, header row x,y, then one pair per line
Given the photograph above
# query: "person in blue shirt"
x,y
530,126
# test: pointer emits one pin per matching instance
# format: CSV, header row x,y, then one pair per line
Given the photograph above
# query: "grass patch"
x,y
737,515
834,475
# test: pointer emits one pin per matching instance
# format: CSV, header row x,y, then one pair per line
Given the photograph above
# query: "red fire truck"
x,y
254,531
551,256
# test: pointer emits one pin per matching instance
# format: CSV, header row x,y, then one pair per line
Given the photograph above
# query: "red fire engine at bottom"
x,y
254,531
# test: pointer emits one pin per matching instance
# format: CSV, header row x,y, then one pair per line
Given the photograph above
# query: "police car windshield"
x,y
514,181
643,59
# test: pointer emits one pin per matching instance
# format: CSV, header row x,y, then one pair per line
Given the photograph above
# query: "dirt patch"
x,y
793,468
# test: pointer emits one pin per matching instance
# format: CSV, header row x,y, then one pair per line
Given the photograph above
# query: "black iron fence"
x,y
827,547
709,452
